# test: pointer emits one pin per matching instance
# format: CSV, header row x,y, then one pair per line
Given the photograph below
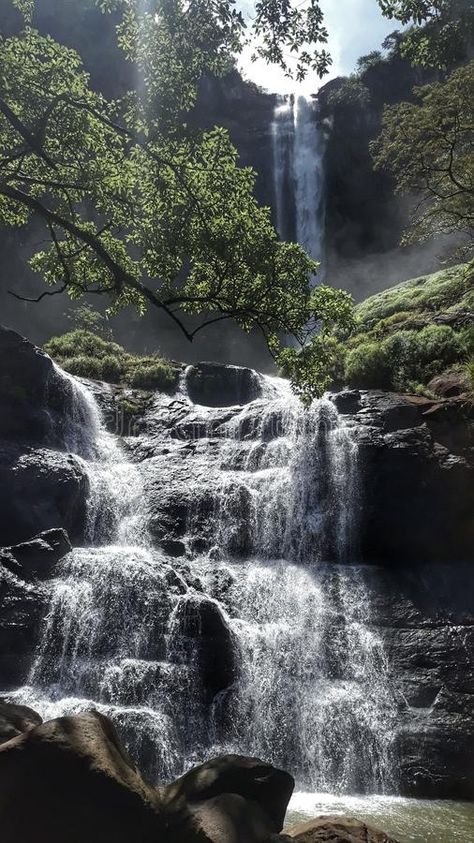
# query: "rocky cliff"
x,y
412,503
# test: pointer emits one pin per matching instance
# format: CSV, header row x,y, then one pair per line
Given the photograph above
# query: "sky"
x,y
356,27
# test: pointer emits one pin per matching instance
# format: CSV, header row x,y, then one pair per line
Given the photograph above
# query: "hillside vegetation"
x,y
410,333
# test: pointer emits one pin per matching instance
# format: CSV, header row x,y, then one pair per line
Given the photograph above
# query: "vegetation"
x,y
136,206
427,146
398,345
87,355
441,33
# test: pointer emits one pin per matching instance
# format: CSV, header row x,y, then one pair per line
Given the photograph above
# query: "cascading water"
x,y
298,153
255,638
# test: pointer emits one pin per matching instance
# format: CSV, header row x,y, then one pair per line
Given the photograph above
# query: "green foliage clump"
x,y
368,367
396,344
158,375
469,372
86,355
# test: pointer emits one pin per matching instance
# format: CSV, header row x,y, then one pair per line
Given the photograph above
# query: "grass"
x,y
87,355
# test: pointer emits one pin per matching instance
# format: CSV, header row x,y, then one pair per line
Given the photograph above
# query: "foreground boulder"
x,y
16,719
234,798
71,780
337,830
78,785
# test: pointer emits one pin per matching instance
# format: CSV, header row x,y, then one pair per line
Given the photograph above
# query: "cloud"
x,y
355,28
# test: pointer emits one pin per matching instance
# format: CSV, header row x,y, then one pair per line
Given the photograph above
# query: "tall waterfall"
x,y
255,638
298,152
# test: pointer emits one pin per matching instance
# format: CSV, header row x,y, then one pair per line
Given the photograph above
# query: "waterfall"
x,y
254,636
298,167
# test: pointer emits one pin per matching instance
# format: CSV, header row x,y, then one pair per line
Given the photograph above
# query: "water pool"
x,y
408,820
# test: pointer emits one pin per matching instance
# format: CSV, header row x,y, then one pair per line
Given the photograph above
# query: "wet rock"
x,y
215,385
202,636
40,490
263,794
16,719
348,401
449,384
337,830
37,558
416,495
22,608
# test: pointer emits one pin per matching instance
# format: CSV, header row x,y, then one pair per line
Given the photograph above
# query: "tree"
x,y
428,147
441,33
135,205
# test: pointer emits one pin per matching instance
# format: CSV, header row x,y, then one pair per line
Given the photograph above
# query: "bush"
x,y
469,371
368,367
83,367
152,376
86,355
112,369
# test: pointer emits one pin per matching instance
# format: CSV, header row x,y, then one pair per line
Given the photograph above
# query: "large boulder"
x,y
337,830
234,798
16,719
37,558
70,779
41,489
215,385
34,396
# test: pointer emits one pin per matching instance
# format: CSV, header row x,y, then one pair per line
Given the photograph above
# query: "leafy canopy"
x,y
428,146
138,207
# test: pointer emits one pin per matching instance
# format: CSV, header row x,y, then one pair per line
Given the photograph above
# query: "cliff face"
x,y
412,502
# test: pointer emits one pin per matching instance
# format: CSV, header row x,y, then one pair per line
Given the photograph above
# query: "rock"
x,y
215,385
35,398
203,636
79,785
337,830
22,608
449,385
16,719
41,489
37,558
235,798
416,495
348,401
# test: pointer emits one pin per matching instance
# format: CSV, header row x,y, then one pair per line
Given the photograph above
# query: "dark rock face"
x,y
40,489
37,558
215,385
424,617
41,486
206,638
337,830
416,478
35,399
24,600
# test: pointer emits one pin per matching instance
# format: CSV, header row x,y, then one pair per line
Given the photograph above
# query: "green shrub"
x,y
83,367
84,354
469,372
368,367
79,342
112,369
152,376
